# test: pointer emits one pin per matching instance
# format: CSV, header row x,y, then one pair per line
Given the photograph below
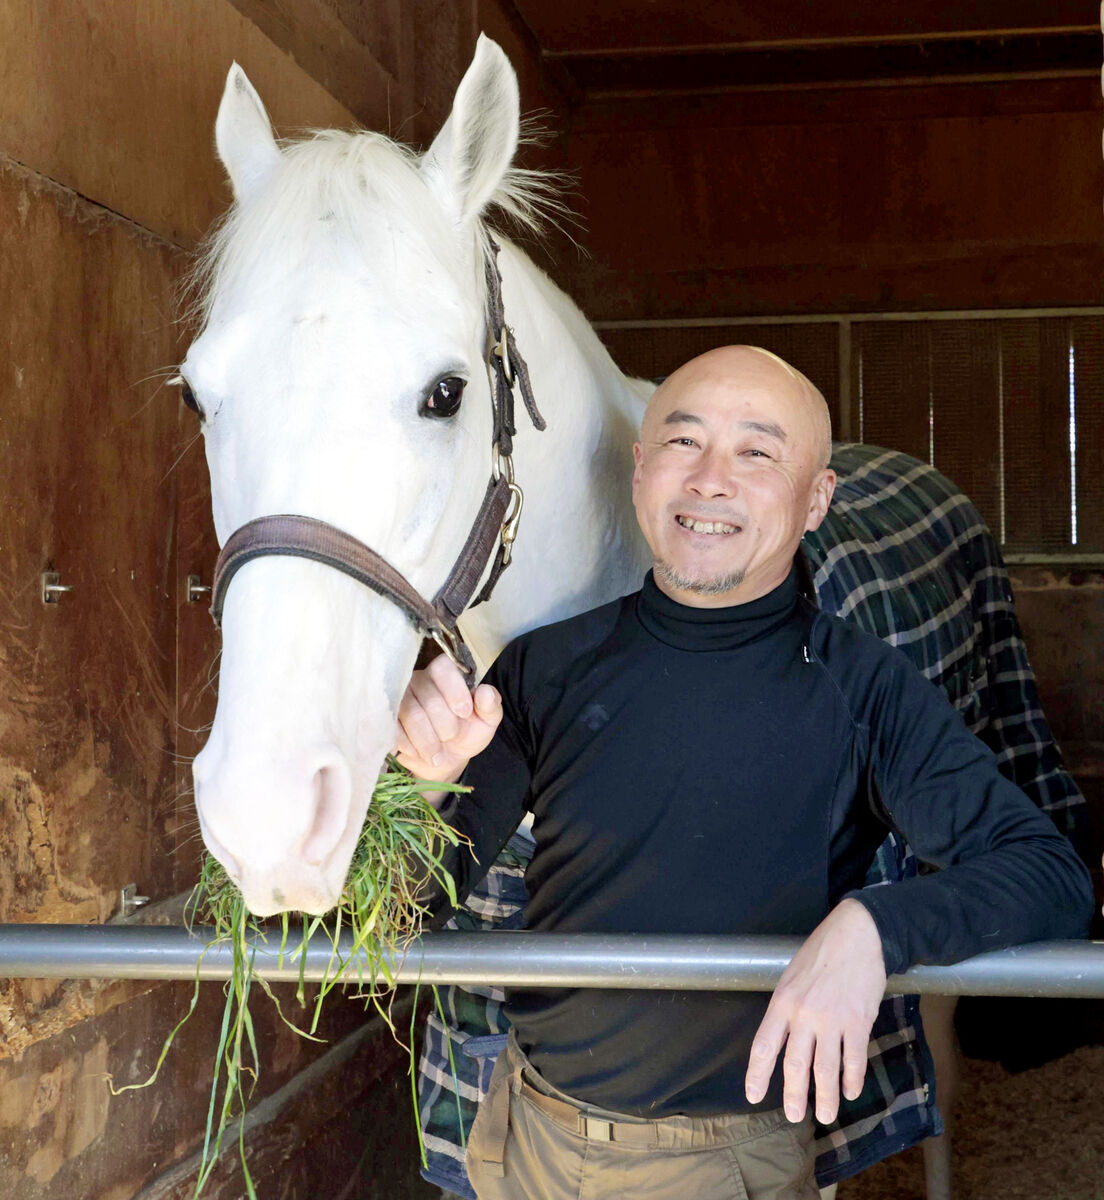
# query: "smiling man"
x,y
714,755
731,470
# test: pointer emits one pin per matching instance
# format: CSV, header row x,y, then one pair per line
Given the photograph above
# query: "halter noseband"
x,y
496,522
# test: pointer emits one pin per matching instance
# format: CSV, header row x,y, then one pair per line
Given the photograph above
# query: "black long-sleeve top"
x,y
733,771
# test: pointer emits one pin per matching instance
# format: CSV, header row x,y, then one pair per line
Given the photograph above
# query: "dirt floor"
x,y
1038,1134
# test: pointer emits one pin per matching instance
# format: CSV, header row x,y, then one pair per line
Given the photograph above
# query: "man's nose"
x,y
713,476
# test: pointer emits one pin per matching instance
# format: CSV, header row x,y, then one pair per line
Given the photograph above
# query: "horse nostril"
x,y
331,794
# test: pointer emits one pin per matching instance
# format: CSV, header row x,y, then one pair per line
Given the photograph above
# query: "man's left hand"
x,y
826,1000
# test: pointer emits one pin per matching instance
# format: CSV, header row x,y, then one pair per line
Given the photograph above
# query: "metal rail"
x,y
657,961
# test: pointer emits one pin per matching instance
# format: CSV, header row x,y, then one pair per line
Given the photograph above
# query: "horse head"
x,y
340,374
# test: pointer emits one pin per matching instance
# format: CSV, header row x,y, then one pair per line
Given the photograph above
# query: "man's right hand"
x,y
441,724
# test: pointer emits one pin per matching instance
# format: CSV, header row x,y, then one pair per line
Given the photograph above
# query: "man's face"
x,y
730,472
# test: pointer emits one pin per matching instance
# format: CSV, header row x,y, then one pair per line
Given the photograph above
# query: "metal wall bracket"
x,y
194,590
130,902
52,587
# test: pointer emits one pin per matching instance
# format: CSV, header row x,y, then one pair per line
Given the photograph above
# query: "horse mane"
x,y
333,175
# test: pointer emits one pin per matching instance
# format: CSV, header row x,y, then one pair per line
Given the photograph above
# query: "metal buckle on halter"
x,y
452,645
501,350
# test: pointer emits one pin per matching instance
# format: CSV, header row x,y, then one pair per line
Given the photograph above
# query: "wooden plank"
x,y
605,24
1062,613
87,715
781,218
653,353
117,101
350,49
442,40
541,88
1088,344
197,640
966,416
856,106
612,288
1035,370
65,1137
890,212
773,68
891,377
343,1127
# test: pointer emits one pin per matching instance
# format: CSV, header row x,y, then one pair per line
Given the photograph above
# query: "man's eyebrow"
x,y
768,427
772,429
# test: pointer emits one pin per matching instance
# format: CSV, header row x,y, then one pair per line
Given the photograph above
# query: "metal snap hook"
x,y
511,522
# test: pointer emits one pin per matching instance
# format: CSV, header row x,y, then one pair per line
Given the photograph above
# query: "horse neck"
x,y
579,544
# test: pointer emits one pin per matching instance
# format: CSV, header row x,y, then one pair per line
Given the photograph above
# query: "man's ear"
x,y
823,490
638,467
243,135
469,158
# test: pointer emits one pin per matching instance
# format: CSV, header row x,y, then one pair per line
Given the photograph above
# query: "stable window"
x,y
1010,405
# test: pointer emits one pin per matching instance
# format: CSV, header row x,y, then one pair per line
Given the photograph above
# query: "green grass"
x,y
400,850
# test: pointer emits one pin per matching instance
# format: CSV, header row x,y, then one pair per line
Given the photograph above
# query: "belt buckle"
x,y
597,1130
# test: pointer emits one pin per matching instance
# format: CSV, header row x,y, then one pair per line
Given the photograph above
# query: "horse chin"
x,y
292,886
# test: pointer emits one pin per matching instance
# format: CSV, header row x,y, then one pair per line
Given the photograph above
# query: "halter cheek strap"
x,y
290,535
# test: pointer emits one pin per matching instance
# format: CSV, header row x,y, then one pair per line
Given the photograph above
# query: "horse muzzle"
x,y
305,823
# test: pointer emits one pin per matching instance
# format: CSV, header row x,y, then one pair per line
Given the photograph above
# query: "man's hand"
x,y
827,997
442,724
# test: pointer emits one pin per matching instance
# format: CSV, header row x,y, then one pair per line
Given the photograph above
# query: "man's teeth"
x,y
705,526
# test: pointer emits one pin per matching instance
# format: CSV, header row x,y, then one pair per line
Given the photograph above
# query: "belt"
x,y
597,1126
584,1123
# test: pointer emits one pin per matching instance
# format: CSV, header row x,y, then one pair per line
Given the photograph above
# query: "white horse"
x,y
345,286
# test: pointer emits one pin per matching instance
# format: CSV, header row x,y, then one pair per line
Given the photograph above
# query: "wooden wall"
x,y
107,178
852,200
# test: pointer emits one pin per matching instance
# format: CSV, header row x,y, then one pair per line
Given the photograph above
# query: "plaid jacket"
x,y
908,558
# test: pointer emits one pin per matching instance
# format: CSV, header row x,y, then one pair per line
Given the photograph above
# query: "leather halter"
x,y
496,522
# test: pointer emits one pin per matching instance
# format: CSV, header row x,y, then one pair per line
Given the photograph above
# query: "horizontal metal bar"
x,y
652,961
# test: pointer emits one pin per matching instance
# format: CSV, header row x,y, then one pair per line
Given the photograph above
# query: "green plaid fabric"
x,y
908,558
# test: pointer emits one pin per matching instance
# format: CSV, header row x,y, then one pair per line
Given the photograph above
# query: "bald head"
x,y
740,368
731,471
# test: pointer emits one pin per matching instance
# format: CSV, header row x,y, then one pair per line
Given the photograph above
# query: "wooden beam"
x,y
610,24
838,106
834,64
349,68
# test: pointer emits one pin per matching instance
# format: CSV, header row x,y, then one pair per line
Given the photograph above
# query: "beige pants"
x,y
532,1142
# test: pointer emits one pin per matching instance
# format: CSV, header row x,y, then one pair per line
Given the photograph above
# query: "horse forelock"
x,y
361,184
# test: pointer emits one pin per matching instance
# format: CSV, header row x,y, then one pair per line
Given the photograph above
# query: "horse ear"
x,y
476,145
243,135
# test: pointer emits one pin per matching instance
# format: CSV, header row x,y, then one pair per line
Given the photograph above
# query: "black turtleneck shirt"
x,y
733,770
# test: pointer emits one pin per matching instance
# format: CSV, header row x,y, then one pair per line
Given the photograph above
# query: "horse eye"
x,y
444,400
188,396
